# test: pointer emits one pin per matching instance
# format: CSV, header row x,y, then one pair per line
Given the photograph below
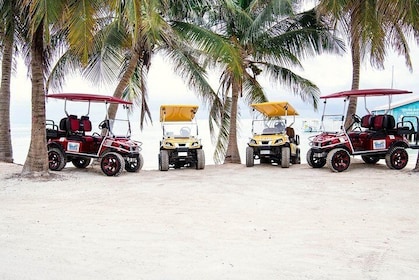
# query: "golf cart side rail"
x,y
407,128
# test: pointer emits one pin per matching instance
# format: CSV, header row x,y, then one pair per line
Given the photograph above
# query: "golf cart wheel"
x,y
297,158
315,162
134,164
81,162
200,159
250,160
164,160
56,159
285,157
370,159
397,158
112,164
338,160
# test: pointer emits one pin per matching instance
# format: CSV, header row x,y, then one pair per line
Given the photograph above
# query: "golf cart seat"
x,y
290,132
383,122
366,121
85,124
70,125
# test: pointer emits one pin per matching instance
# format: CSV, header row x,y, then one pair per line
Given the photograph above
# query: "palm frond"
x,y
305,89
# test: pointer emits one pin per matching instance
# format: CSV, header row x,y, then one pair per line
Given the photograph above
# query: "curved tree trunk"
x,y
232,153
6,151
356,69
36,163
123,83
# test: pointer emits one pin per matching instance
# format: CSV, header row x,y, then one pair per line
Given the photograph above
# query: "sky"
x,y
331,73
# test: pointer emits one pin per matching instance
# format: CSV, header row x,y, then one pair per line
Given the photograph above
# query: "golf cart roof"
x,y
275,109
88,97
177,113
365,92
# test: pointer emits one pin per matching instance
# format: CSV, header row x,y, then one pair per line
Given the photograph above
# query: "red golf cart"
x,y
373,137
71,139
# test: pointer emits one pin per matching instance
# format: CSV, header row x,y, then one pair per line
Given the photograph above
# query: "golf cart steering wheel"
x,y
185,131
104,124
356,118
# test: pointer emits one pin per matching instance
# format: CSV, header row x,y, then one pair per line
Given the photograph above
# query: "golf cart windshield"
x,y
180,129
270,126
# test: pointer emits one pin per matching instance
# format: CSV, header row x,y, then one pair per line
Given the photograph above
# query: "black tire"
x,y
397,158
134,164
297,158
112,164
250,160
314,162
56,159
338,160
200,159
370,159
285,157
164,160
81,162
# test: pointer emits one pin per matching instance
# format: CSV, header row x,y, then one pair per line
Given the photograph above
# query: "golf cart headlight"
x,y
278,141
253,142
195,144
168,144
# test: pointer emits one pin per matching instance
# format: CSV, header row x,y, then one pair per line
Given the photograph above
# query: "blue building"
x,y
408,107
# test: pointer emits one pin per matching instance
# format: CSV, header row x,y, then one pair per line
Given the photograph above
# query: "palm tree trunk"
x,y
6,151
356,69
36,163
123,83
232,153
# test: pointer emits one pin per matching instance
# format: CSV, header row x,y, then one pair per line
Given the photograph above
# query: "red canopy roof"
x,y
88,97
366,92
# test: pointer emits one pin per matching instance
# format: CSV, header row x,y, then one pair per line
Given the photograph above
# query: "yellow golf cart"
x,y
273,140
180,146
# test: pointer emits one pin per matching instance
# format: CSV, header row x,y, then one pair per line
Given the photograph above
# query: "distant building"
x,y
409,107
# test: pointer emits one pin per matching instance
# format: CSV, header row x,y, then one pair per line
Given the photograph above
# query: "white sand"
x,y
223,222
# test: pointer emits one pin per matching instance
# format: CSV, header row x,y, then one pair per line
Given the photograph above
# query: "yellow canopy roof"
x,y
177,113
275,109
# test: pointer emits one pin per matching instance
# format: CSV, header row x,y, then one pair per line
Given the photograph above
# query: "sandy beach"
x,y
223,222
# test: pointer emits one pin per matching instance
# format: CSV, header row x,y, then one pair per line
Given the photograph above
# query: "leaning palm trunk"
x,y
232,153
356,69
36,163
6,151
123,83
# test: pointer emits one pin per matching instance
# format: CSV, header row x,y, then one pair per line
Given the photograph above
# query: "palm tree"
x,y
8,16
372,28
44,20
247,38
125,44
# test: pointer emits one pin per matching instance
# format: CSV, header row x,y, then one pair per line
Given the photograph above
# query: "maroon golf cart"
x,y
72,140
372,136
